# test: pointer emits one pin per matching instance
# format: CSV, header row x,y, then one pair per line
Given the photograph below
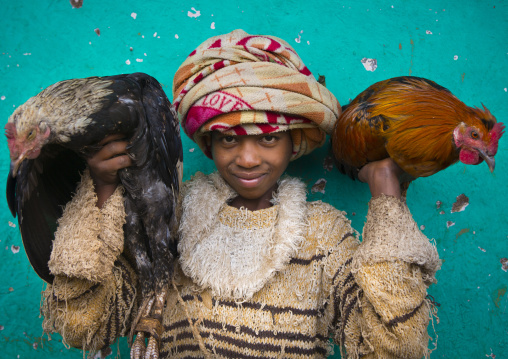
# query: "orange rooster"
x,y
421,125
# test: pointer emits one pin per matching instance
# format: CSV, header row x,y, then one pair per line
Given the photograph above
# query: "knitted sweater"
x,y
272,283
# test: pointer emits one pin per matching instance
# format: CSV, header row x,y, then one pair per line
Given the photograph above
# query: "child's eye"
x,y
269,139
228,139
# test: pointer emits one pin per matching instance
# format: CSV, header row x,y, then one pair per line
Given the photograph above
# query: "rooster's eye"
x,y
474,134
31,135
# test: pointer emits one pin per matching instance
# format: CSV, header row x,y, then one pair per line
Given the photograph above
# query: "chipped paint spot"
x,y
504,264
482,249
155,34
191,150
328,163
76,4
492,355
134,15
455,57
428,32
462,76
369,64
97,31
442,212
139,60
422,227
11,289
2,98
500,292
438,204
319,186
460,204
462,231
449,224
212,26
400,46
505,89
298,39
14,249
176,36
35,346
194,13
128,62
2,327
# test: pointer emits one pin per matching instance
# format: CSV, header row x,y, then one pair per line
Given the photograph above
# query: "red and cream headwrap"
x,y
248,85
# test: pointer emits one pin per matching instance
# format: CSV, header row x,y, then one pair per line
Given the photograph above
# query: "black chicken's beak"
x,y
13,172
491,162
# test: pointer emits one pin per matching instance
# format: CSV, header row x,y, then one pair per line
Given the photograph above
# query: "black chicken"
x,y
49,138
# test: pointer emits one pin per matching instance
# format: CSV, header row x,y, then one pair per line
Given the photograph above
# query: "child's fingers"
x,y
111,138
110,150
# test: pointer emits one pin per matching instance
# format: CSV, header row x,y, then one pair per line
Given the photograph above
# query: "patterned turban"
x,y
244,84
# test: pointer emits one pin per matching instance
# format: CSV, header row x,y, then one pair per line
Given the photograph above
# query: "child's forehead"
x,y
247,136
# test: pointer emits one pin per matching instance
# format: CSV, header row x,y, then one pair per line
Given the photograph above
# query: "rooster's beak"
x,y
15,165
491,162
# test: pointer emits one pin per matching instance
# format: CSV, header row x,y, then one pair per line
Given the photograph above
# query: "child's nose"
x,y
248,156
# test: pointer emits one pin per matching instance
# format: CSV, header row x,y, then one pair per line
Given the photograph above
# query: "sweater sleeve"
x,y
92,299
379,294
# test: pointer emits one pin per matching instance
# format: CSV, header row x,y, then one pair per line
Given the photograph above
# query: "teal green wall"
x,y
462,45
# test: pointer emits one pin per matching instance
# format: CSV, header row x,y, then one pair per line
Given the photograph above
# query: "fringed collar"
x,y
235,252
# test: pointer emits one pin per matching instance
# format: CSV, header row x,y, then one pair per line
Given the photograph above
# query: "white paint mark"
x,y
2,98
449,224
392,6
483,250
128,62
176,36
194,14
505,89
139,60
191,150
134,15
369,64
155,34
10,223
308,42
14,249
422,227
144,53
319,186
428,32
298,39
27,54
212,26
456,57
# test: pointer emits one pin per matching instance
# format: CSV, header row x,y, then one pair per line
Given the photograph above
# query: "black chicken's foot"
x,y
150,323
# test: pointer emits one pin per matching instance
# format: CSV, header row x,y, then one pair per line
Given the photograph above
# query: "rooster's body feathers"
x,y
412,120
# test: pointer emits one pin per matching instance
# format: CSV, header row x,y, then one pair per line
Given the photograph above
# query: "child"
x,y
261,273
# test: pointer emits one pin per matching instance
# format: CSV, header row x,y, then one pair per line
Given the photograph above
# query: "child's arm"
x,y
385,312
92,299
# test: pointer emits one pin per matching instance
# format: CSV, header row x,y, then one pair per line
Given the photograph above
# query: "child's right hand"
x,y
104,166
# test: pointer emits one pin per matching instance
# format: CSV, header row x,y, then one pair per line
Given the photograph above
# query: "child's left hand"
x,y
383,177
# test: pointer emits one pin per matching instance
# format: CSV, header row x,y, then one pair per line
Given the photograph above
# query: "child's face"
x,y
252,165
